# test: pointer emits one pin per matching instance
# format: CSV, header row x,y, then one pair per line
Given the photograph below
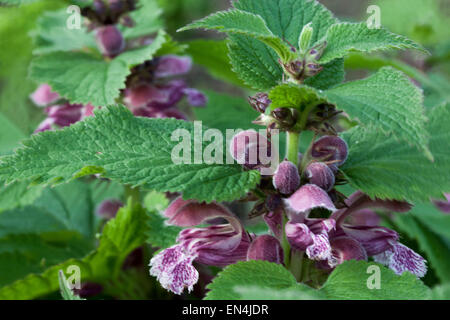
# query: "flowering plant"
x,y
340,194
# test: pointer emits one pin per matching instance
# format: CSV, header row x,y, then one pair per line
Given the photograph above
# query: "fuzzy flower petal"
x,y
309,197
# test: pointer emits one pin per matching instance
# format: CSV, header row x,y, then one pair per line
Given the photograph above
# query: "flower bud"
x,y
286,178
247,147
294,69
311,69
108,208
260,102
172,65
320,174
284,116
316,52
110,40
266,248
274,220
330,148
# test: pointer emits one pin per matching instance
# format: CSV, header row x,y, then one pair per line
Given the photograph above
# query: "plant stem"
x,y
293,139
297,264
286,246
134,193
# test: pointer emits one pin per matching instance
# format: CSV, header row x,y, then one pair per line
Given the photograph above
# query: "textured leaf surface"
x,y
147,19
257,65
386,168
120,236
293,96
345,37
84,78
349,281
245,23
386,100
129,149
18,194
249,273
297,292
52,34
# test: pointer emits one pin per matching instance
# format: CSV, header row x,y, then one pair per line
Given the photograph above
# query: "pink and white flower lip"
x,y
400,258
311,236
217,244
266,247
308,197
44,95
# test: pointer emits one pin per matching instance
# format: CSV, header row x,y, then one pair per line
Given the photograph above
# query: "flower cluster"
x,y
151,90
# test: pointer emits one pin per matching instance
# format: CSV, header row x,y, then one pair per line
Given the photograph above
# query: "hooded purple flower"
x,y
220,244
61,116
379,242
153,98
308,197
266,247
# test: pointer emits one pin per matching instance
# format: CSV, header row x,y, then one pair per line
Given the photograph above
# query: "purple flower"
x,y
286,178
266,248
61,116
400,258
44,95
195,97
343,249
310,235
219,244
171,65
308,197
274,220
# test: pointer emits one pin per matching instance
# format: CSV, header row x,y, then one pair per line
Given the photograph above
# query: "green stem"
x,y
293,139
297,264
134,193
286,246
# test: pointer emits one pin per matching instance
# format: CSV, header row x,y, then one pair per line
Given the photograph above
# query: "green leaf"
x,y
52,34
84,78
345,37
249,273
441,292
256,64
386,100
120,236
297,292
11,135
350,281
241,22
386,168
437,250
131,150
147,20
18,194
66,292
213,55
293,96
332,74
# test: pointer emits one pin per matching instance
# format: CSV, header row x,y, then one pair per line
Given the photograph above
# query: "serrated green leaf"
x,y
386,168
332,74
213,55
350,281
345,37
241,22
120,236
84,78
132,150
257,65
66,292
52,34
386,100
249,273
18,194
